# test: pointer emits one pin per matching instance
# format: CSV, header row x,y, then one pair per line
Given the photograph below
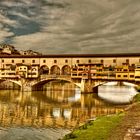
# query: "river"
x,y
55,111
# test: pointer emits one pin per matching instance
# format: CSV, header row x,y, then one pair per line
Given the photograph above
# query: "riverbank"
x,y
114,127
130,121
96,130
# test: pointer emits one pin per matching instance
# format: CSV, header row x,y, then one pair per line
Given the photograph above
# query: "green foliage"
x,y
137,98
70,136
99,129
137,88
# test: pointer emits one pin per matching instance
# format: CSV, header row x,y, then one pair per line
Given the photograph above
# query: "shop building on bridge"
x,y
94,66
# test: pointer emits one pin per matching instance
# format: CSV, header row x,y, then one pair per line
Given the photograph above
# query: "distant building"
x,y
8,49
29,52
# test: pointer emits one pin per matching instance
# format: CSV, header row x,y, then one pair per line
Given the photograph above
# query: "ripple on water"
x,y
31,134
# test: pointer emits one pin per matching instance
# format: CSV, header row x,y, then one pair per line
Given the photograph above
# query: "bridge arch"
x,y
55,70
16,82
44,70
39,84
6,83
66,70
125,83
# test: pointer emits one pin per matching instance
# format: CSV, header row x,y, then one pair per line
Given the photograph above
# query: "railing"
x,y
55,77
69,77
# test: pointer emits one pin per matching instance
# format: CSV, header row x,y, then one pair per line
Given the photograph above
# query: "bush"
x,y
137,98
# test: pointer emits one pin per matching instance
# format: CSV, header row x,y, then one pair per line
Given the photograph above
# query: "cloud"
x,y
74,26
4,33
4,30
44,42
6,21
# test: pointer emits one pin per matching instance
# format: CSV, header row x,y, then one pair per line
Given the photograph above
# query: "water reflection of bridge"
x,y
33,111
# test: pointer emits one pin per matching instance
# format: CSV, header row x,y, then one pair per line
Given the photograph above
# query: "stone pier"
x,y
26,85
87,86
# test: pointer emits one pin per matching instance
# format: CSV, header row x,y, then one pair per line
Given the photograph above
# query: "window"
x,y
125,70
23,61
131,76
66,61
137,76
127,60
114,60
133,65
80,69
74,74
13,67
34,69
77,61
31,73
44,61
11,73
33,61
119,69
119,76
102,61
99,69
89,61
2,61
12,61
132,69
55,61
125,76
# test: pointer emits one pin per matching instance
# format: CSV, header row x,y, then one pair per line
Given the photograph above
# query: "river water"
x,y
55,111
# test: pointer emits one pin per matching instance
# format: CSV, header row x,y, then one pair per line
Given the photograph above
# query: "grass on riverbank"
x,y
137,98
99,129
109,127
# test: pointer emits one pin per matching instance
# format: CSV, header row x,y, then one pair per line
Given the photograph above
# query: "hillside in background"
x,y
6,49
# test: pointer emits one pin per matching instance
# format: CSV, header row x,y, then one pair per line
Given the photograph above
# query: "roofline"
x,y
72,55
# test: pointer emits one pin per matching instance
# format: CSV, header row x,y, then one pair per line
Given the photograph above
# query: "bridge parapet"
x,y
86,85
67,77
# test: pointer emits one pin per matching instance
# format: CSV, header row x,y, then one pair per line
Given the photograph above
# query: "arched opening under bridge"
x,y
118,83
6,84
109,84
117,93
39,85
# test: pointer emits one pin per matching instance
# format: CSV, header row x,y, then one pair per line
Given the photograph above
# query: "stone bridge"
x,y
86,85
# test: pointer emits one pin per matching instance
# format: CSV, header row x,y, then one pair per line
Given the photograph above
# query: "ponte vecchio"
x,y
87,71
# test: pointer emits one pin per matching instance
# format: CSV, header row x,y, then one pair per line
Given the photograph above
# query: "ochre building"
x,y
94,66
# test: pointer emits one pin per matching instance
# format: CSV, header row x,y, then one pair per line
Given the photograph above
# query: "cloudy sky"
x,y
71,26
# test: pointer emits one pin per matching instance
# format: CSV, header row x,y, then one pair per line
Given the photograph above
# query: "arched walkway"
x,y
44,70
55,70
66,70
